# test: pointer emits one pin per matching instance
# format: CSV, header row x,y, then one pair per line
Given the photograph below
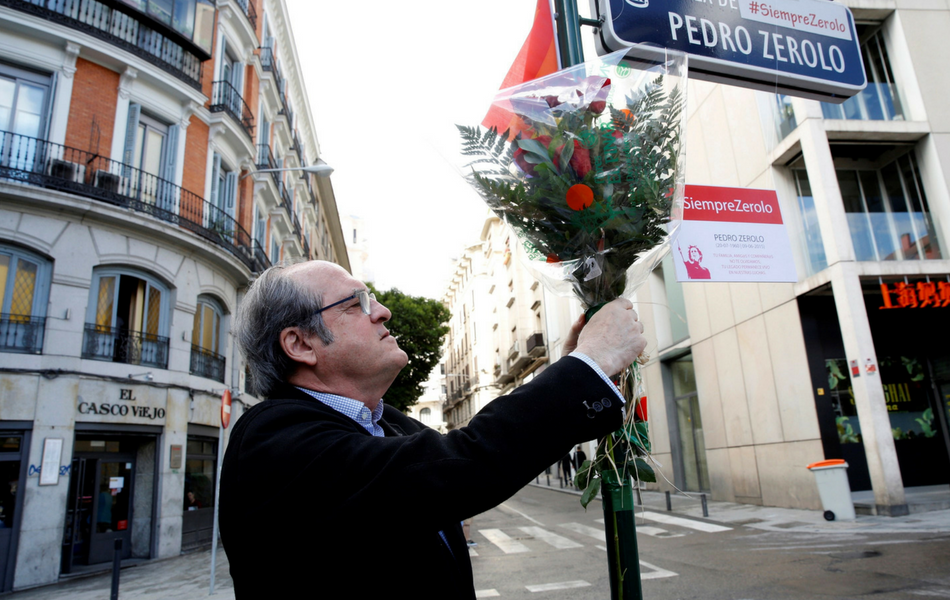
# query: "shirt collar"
x,y
353,409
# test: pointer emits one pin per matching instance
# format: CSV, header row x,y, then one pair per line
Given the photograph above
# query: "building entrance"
x,y
914,370
12,477
101,502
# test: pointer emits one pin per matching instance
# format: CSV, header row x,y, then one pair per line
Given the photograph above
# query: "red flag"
x,y
538,57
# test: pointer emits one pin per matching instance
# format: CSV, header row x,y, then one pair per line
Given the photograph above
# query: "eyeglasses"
x,y
364,296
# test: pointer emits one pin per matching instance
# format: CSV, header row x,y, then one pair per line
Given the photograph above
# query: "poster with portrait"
x,y
732,234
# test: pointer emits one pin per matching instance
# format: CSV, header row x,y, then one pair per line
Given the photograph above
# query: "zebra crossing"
x,y
572,535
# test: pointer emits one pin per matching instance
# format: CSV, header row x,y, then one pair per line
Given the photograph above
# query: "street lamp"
x,y
320,168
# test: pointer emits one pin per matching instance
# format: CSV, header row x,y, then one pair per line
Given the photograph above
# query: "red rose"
x,y
519,157
599,103
580,160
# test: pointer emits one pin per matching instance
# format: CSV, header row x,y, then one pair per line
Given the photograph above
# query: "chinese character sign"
x,y
922,294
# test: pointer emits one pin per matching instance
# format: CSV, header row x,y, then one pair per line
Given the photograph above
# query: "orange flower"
x,y
580,197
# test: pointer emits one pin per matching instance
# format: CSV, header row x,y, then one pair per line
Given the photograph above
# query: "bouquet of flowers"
x,y
590,176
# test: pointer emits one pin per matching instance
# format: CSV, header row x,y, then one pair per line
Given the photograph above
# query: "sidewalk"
x,y
770,518
185,577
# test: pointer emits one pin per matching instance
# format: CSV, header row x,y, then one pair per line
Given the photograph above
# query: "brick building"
x,y
132,214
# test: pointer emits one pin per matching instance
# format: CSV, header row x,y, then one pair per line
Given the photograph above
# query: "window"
x,y
127,319
224,184
190,18
887,212
813,248
200,473
879,100
274,249
425,415
23,104
206,357
785,121
260,226
151,149
24,291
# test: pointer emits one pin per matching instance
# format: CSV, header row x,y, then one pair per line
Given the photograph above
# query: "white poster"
x,y
732,234
52,454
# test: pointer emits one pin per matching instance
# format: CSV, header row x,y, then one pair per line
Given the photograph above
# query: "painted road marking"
x,y
492,593
653,531
559,542
471,551
597,534
505,543
933,593
691,524
656,573
564,585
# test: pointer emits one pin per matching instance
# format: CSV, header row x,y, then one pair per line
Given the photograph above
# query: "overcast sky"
x,y
387,81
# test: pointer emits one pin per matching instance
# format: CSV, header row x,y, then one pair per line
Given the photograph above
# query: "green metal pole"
x,y
623,557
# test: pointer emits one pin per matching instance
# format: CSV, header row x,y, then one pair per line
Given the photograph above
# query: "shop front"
x,y
111,495
913,363
14,440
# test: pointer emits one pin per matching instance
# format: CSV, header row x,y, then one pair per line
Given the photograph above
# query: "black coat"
x,y
313,506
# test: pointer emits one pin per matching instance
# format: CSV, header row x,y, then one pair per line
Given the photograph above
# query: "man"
x,y
326,492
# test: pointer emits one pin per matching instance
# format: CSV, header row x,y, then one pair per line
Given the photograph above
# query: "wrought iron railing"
x,y
249,11
224,97
118,28
38,162
124,346
266,160
22,333
205,363
269,61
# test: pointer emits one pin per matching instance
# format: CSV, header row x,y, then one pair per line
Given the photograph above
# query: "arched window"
x,y
425,415
206,356
24,291
127,319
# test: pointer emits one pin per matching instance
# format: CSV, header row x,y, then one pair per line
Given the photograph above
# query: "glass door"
x,y
11,502
99,510
692,443
113,509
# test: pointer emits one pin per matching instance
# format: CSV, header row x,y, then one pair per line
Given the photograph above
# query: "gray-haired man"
x,y
328,493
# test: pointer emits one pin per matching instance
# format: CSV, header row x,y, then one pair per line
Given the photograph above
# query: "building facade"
x,y
505,325
749,383
132,216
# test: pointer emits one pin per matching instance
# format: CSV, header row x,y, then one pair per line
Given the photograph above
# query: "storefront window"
x,y
200,474
842,400
906,392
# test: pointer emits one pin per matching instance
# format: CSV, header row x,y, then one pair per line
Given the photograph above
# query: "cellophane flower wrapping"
x,y
589,173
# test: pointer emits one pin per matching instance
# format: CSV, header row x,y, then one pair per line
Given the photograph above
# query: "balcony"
x,y
120,29
124,346
224,97
535,345
37,162
249,11
517,360
266,160
269,62
876,102
205,363
22,334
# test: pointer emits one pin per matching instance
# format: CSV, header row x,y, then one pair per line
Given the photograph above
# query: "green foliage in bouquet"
x,y
585,186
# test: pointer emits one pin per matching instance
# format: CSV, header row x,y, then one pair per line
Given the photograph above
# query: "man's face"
x,y
362,352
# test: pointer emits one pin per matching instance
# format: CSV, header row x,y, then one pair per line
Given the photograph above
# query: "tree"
x,y
419,324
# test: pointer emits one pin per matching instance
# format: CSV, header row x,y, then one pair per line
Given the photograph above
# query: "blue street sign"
x,y
805,48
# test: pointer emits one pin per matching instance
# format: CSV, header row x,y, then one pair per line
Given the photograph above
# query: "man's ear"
x,y
296,345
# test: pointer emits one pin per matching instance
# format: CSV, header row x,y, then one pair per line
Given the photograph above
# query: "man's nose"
x,y
380,312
